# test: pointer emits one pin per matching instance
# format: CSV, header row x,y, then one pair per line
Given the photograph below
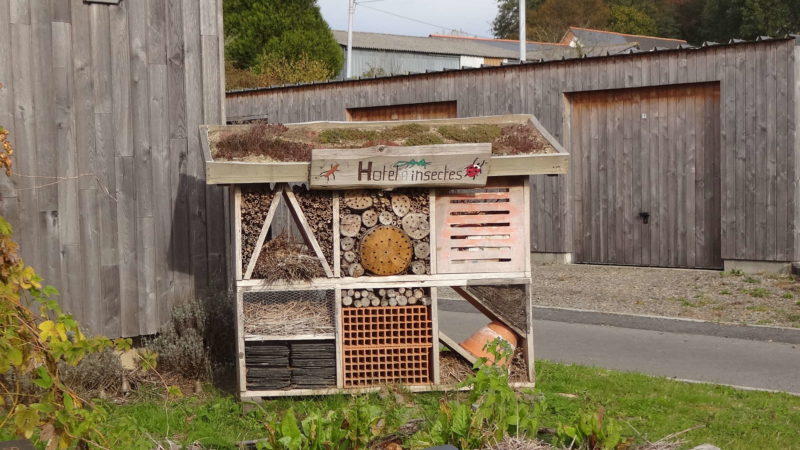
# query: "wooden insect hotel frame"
x,y
345,298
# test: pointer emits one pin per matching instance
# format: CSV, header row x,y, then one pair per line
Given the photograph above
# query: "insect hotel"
x,y
345,234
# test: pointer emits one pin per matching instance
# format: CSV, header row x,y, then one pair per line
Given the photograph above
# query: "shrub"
x,y
95,374
180,345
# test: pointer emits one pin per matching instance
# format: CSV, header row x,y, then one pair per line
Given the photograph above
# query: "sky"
x,y
441,16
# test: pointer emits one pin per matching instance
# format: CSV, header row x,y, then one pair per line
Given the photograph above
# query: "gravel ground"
x,y
763,299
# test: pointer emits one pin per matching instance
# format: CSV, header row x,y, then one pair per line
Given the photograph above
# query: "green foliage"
x,y
506,24
693,20
424,139
35,344
259,30
552,18
472,133
344,135
628,19
758,292
353,426
374,72
179,346
276,71
492,410
594,431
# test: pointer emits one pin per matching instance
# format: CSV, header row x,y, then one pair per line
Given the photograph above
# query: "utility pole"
x,y
351,10
522,50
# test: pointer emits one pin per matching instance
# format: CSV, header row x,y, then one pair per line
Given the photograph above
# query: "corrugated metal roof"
x,y
589,37
598,54
420,44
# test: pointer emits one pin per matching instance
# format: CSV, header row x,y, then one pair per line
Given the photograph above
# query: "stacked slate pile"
x,y
267,365
313,364
290,365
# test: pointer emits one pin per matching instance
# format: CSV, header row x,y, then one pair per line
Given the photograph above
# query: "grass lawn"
x,y
648,408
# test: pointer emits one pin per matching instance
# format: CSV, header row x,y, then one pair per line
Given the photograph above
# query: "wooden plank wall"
x,y
109,202
759,114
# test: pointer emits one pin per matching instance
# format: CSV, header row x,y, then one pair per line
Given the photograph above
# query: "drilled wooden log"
x,y
357,200
369,218
401,204
416,225
350,225
422,249
356,270
349,256
418,267
347,243
386,218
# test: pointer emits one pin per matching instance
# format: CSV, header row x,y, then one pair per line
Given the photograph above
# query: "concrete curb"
x,y
652,323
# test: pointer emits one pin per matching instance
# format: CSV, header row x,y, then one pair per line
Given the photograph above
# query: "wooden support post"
x,y
337,245
276,199
434,232
337,324
456,347
236,192
528,341
488,311
435,330
305,230
241,368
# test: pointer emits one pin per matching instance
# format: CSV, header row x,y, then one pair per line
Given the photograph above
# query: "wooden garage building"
x,y
686,157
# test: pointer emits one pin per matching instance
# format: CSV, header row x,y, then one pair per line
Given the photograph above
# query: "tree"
x,y
506,24
628,19
288,30
552,18
768,18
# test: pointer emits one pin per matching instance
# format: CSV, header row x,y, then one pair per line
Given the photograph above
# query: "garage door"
x,y
646,176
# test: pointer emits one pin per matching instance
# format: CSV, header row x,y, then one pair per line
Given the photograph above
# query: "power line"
x,y
417,20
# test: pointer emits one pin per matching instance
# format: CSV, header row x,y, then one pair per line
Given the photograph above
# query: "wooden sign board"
x,y
386,167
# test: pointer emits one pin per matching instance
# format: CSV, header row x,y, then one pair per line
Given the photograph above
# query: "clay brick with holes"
x,y
482,229
391,344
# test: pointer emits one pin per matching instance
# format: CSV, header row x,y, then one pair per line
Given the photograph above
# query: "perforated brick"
x,y
390,344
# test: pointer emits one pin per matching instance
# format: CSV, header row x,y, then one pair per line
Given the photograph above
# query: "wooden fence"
x,y
108,200
758,121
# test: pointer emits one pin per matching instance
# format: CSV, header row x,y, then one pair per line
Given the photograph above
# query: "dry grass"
x,y
283,259
519,139
452,368
516,443
278,143
288,317
261,139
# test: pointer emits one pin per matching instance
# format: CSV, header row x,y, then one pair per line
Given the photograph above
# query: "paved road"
x,y
738,362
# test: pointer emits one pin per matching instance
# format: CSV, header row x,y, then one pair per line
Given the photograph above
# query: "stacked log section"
x,y
362,298
317,206
361,212
256,199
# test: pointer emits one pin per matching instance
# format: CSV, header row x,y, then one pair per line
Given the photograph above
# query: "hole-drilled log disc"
x,y
386,218
369,218
416,225
401,204
350,225
357,200
347,243
386,251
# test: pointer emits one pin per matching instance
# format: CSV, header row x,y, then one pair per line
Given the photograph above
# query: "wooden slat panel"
x,y
451,241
